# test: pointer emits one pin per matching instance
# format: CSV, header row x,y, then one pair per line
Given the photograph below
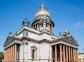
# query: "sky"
x,y
66,14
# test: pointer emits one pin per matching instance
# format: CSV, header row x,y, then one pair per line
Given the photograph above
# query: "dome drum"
x,y
37,21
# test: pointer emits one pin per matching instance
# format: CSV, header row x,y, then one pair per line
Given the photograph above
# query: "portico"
x,y
63,53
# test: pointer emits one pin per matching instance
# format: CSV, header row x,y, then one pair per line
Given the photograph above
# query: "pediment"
x,y
66,40
27,29
8,40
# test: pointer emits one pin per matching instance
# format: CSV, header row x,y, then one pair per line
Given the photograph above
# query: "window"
x,y
46,24
33,52
79,59
41,24
26,43
83,58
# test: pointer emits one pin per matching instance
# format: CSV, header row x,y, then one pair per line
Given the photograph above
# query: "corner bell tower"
x,y
42,21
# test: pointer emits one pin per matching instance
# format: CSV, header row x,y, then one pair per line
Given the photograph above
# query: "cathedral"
x,y
38,43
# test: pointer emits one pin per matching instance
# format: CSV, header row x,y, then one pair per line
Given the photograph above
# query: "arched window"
x,y
46,24
41,24
33,52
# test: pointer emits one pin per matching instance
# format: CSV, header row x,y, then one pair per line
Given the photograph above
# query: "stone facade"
x,y
37,43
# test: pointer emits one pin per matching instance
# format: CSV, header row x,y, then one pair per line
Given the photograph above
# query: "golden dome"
x,y
42,12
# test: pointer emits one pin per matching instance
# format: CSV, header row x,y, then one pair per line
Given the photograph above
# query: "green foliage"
x,y
1,56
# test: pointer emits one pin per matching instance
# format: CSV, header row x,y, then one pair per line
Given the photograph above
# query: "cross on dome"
x,y
42,11
42,7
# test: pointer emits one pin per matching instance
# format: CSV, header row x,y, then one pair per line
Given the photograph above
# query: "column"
x,y
15,52
7,55
4,54
55,53
76,55
44,25
60,52
73,55
37,26
69,55
66,54
51,54
10,54
63,53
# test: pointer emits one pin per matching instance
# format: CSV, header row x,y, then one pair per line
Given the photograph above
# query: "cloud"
x,y
79,24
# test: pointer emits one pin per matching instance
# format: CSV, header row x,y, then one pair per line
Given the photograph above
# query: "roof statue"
x,y
25,23
10,34
66,33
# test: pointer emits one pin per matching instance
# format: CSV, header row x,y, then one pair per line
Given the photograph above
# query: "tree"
x,y
1,56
